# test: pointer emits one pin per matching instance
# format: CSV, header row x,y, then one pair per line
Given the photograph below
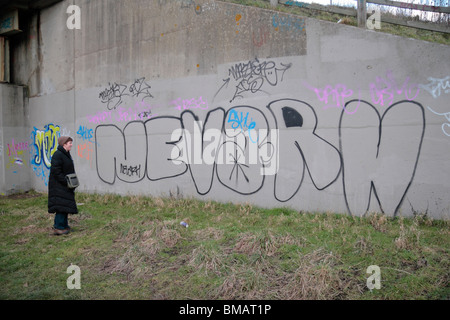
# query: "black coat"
x,y
61,198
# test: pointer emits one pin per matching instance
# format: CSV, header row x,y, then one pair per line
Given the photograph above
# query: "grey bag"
x,y
72,180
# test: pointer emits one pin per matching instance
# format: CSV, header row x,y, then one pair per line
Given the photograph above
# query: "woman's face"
x,y
68,146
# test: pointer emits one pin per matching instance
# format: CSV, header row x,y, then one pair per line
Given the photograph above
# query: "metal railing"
x,y
361,12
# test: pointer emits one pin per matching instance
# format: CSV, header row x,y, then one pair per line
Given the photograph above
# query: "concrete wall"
x,y
280,110
15,168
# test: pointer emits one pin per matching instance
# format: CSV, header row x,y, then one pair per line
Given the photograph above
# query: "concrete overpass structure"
x,y
225,102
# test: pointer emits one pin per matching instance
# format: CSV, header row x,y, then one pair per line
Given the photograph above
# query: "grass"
x,y
409,32
133,247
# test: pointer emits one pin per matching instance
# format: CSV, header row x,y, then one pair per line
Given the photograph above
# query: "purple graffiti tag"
x,y
184,104
333,97
384,90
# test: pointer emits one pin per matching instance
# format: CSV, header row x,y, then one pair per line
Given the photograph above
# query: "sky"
x,y
349,3
424,15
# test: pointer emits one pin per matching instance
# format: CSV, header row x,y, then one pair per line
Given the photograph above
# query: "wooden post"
x,y
362,13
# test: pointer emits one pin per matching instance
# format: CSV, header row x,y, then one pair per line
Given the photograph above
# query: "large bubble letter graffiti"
x,y
372,146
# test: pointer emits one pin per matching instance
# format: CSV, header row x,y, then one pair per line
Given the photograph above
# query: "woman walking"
x,y
61,198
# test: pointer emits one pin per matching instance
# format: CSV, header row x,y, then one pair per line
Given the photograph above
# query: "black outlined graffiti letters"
x,y
380,154
117,149
246,154
220,147
166,147
202,156
161,142
301,150
145,146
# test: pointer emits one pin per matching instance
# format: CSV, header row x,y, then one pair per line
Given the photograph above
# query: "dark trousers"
x,y
61,221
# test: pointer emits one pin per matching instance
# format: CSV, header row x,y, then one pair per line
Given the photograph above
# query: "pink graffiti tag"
x,y
191,104
383,90
14,148
333,97
140,111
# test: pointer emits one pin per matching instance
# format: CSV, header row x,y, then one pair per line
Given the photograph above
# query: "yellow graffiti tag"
x,y
46,142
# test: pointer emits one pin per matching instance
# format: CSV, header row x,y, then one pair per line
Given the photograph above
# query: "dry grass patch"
x,y
140,246
378,221
31,229
159,203
232,288
363,246
264,244
207,259
409,237
209,233
314,278
210,206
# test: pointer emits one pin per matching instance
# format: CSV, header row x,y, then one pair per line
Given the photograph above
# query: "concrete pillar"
x,y
14,140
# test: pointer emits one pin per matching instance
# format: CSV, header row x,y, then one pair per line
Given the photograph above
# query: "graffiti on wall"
x,y
260,37
16,155
333,96
446,125
250,77
188,4
85,142
383,92
286,143
436,87
113,95
371,147
288,23
167,147
85,150
238,148
296,3
140,111
45,144
193,103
